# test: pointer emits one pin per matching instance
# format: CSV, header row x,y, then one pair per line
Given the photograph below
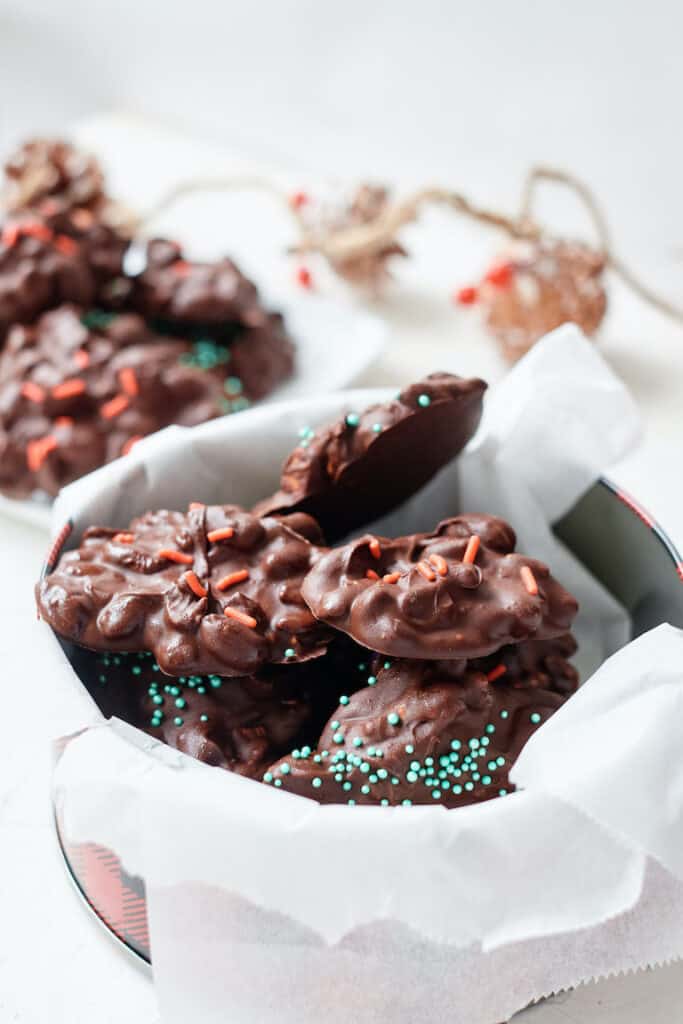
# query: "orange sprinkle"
x,y
130,443
297,200
471,549
304,277
64,421
496,673
35,230
372,575
439,563
175,556
246,620
233,577
129,381
114,406
123,538
375,549
32,391
10,235
225,533
81,358
391,577
194,584
181,267
423,568
529,580
196,504
65,245
38,450
69,388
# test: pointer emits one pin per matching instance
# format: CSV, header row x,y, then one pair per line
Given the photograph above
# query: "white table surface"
x,y
56,964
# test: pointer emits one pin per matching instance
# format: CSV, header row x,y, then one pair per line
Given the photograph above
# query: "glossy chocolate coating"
x,y
469,611
542,664
351,473
420,735
35,276
120,357
122,591
188,293
237,724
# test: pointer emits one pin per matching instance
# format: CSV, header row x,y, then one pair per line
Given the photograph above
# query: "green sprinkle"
x,y
469,786
377,428
393,718
136,670
486,779
285,769
436,794
338,737
352,419
387,664
157,699
347,786
410,749
357,741
268,777
233,385
505,714
406,803
177,720
490,729
305,751
384,802
365,789
316,782
492,766
344,700
411,777
290,653
372,680
424,401
351,803
455,744
180,703
278,783
502,792
203,718
364,767
535,718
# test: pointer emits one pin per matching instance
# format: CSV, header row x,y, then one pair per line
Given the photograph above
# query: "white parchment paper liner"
x,y
267,907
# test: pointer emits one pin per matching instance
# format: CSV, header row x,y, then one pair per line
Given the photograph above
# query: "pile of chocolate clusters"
x,y
93,357
387,671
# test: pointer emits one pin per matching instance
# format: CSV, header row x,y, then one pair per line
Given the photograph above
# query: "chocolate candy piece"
x,y
185,293
535,663
431,595
364,465
238,724
36,274
52,172
218,301
212,590
419,735
74,397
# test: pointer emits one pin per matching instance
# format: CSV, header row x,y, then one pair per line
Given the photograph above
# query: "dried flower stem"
x,y
362,240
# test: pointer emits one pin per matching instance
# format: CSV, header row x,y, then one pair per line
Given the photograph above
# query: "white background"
x,y
466,94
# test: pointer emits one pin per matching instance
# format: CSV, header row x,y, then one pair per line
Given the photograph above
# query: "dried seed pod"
x,y
540,285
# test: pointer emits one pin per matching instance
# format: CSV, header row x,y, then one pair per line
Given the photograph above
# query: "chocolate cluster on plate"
x,y
383,670
196,335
